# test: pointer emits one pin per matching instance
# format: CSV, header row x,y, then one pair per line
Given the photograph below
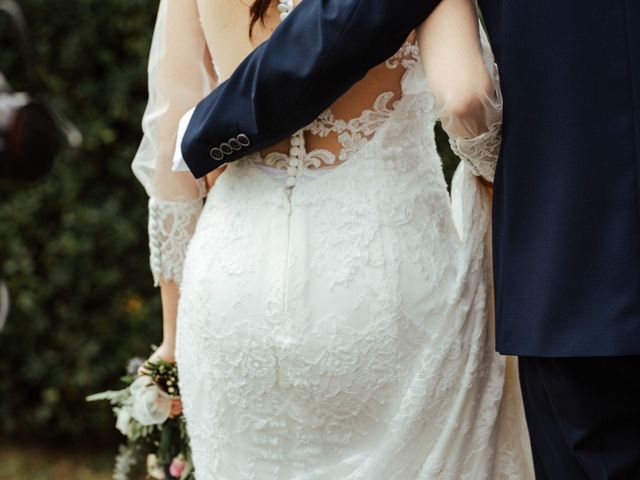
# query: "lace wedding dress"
x,y
335,319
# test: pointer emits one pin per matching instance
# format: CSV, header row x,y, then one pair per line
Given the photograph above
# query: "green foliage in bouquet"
x,y
149,414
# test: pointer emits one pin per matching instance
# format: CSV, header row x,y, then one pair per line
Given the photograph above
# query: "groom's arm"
x,y
313,57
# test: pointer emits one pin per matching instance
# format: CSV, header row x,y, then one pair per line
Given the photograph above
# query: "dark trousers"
x,y
583,416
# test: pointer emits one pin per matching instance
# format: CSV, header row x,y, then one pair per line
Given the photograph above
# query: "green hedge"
x,y
73,248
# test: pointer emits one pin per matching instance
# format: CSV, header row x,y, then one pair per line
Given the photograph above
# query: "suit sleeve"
x,y
312,58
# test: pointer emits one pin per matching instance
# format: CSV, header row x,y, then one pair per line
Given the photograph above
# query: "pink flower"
x,y
177,466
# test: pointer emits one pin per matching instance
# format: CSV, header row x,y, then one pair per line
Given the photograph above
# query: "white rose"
x,y
150,406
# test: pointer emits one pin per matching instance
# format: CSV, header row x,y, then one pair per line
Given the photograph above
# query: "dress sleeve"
x,y
462,74
180,75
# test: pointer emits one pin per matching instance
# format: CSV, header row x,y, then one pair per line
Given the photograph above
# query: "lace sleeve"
x,y
462,74
180,74
481,150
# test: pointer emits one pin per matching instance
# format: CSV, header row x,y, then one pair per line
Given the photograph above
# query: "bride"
x,y
329,304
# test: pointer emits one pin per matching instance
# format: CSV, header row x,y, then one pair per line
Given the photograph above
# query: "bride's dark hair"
x,y
258,11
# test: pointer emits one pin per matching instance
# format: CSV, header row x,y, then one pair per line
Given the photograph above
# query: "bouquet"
x,y
149,413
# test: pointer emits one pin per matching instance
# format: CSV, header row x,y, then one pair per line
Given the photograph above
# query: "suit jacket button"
x,y
226,148
216,154
235,144
243,140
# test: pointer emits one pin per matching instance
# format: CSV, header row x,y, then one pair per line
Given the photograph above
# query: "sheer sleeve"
x,y
180,75
462,74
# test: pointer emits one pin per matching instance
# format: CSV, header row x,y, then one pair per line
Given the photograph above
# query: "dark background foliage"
x,y
73,248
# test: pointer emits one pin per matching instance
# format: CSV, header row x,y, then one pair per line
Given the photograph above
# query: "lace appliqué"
x,y
352,135
481,152
407,56
171,226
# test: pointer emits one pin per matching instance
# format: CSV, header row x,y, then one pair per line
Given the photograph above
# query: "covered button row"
x,y
294,161
230,146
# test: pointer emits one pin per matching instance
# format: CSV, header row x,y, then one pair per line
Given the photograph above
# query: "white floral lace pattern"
x,y
171,226
481,152
406,57
353,134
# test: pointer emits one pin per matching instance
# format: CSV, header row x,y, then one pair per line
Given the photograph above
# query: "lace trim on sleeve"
x,y
171,226
481,152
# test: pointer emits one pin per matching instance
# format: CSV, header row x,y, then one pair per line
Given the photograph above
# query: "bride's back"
x,y
226,28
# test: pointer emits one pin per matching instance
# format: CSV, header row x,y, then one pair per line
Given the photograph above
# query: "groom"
x,y
567,192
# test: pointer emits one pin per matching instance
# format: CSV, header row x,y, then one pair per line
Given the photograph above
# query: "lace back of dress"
x,y
336,139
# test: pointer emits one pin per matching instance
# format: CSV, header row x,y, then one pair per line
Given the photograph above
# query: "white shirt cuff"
x,y
178,164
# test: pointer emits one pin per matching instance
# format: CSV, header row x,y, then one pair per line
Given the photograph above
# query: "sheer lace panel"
x,y
352,134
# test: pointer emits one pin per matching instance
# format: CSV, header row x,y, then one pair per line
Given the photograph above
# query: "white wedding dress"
x,y
335,319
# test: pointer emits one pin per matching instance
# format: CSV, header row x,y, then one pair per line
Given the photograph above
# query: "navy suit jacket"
x,y
567,189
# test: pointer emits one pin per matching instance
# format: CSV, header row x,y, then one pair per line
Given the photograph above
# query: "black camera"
x,y
29,140
31,132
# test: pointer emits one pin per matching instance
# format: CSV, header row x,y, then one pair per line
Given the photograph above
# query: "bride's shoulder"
x,y
225,24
